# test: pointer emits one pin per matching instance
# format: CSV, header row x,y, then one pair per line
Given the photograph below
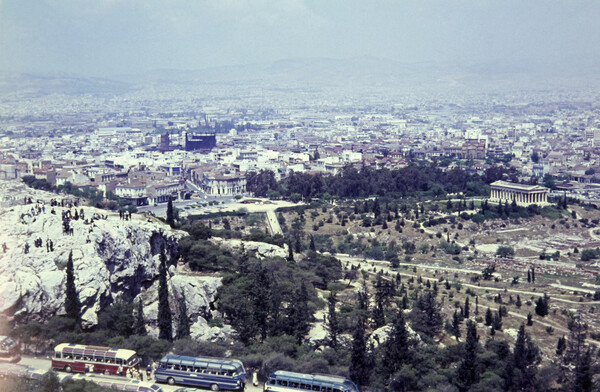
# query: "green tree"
x,y
298,314
426,316
396,347
468,370
332,325
541,306
183,320
360,369
165,318
50,383
117,318
525,359
488,317
467,309
170,213
139,326
505,251
456,325
583,378
72,305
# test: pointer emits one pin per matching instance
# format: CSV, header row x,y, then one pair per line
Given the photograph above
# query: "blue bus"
x,y
204,372
284,381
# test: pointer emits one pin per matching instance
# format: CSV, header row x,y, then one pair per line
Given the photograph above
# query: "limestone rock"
x,y
111,257
262,249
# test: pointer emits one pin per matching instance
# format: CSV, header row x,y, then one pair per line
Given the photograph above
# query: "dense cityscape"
x,y
395,216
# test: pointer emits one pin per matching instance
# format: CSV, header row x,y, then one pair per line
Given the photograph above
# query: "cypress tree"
x,y
312,243
72,305
332,322
378,315
456,325
170,215
139,325
468,371
476,305
529,319
466,310
561,345
518,302
290,251
376,208
165,318
528,276
359,370
183,320
488,317
533,274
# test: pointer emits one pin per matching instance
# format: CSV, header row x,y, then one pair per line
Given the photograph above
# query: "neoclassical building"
x,y
523,194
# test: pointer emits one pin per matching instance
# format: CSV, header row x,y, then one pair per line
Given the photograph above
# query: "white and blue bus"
x,y
204,372
284,381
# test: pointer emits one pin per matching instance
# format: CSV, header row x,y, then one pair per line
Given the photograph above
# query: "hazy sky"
x,y
104,37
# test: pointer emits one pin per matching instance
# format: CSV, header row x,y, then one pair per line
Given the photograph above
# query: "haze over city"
x,y
108,38
299,195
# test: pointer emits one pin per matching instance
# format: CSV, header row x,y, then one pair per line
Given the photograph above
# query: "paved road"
x,y
274,227
42,365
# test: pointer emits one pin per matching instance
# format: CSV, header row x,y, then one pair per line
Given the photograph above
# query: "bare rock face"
x,y
261,249
111,257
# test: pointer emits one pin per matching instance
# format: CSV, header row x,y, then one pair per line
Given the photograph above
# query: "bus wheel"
x,y
68,369
214,387
170,381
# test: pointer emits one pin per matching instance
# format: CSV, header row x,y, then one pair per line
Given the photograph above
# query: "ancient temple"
x,y
523,194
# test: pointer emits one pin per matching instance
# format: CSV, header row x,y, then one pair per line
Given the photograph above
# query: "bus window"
x,y
336,390
316,388
119,361
197,369
176,367
57,354
271,382
162,365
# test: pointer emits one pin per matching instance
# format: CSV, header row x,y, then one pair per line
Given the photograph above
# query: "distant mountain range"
x,y
313,72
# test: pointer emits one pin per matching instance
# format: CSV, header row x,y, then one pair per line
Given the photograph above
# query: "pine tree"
x,y
468,371
466,310
332,326
183,320
72,305
396,348
139,325
359,370
312,243
298,245
384,225
170,214
528,276
476,305
529,319
518,302
378,315
298,314
165,318
584,373
533,274
525,360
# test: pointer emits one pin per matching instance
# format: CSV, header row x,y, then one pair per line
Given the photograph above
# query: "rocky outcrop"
x,y
111,257
260,249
